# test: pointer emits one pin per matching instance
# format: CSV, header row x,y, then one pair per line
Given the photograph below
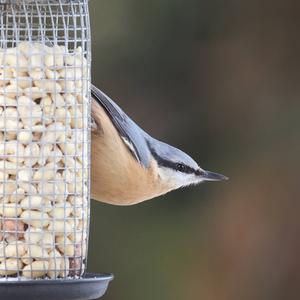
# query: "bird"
x,y
128,166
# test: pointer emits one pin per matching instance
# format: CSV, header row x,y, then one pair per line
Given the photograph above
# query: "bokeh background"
x,y
220,80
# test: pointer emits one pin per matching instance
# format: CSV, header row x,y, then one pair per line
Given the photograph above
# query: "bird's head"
x,y
177,169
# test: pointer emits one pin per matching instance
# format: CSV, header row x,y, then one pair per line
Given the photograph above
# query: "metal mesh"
x,y
44,138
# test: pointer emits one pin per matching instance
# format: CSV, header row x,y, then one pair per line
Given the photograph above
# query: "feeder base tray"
x,y
90,286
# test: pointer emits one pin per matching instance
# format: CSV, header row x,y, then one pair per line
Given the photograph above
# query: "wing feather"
x,y
132,135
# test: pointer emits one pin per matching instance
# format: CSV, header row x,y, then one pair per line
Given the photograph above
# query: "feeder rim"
x,y
32,1
89,277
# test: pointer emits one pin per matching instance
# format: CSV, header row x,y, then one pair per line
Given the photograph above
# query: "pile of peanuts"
x,y
44,161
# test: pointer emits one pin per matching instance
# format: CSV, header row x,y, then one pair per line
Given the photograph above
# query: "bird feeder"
x,y
45,151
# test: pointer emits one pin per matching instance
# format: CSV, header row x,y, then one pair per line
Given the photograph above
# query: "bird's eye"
x,y
180,167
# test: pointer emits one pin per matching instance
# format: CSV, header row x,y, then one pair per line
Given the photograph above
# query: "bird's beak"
x,y
211,176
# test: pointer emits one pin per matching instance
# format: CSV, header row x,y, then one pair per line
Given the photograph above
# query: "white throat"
x,y
176,179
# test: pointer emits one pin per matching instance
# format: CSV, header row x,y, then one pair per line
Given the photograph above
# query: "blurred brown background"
x,y
220,80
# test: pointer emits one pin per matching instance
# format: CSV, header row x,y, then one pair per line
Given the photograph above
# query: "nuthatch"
x,y
128,165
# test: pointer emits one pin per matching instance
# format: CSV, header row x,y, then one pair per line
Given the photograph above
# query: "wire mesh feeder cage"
x,y
45,150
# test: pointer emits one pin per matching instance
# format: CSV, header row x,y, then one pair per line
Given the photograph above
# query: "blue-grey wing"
x,y
133,136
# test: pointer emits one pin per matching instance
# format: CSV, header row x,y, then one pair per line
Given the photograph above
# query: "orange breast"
x,y
116,176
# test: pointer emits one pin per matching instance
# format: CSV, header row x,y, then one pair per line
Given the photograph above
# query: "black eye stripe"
x,y
172,165
185,169
175,166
